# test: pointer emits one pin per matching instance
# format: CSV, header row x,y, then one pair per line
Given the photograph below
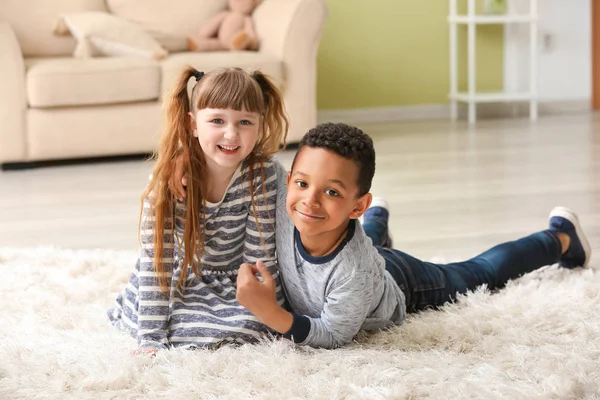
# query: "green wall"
x,y
377,53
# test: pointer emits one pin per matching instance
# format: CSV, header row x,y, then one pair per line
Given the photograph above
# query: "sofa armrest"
x,y
290,30
13,103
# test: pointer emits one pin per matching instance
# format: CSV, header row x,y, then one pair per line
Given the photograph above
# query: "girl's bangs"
x,y
233,89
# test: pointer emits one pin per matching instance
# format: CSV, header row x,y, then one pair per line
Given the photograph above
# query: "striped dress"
x,y
206,313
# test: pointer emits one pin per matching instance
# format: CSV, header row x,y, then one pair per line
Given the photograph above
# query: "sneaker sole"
x,y
379,202
570,216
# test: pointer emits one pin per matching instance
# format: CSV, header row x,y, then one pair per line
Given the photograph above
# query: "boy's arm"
x,y
260,297
345,310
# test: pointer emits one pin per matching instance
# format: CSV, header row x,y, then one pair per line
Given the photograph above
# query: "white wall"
x,y
564,61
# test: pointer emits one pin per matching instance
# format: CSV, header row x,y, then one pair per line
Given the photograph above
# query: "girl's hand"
x,y
178,181
151,351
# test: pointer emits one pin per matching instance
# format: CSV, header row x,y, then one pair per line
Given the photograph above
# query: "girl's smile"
x,y
228,149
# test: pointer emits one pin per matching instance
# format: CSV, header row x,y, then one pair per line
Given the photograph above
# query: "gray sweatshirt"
x,y
334,296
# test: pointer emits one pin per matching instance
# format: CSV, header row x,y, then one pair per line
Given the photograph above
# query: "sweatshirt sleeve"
x,y
259,243
346,308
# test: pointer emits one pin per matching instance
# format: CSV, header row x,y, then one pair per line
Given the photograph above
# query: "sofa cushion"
x,y
168,21
105,34
32,21
173,65
53,82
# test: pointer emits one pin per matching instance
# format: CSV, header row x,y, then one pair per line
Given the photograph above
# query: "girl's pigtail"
x,y
178,107
275,127
173,142
275,121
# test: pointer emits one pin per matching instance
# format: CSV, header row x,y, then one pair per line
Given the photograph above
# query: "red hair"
x,y
230,88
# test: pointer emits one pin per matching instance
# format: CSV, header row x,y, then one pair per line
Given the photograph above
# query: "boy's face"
x,y
322,194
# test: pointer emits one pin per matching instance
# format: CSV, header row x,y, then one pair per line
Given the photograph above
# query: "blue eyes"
x,y
220,121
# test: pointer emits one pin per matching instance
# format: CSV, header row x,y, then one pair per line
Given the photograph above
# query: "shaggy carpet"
x,y
537,339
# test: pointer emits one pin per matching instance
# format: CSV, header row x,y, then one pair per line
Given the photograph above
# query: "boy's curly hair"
x,y
347,141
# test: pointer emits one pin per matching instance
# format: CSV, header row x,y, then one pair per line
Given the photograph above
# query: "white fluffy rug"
x,y
537,339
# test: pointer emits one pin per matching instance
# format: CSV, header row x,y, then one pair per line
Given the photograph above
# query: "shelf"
x,y
491,97
491,19
471,19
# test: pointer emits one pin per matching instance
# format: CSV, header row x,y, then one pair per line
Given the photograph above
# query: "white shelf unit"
x,y
472,97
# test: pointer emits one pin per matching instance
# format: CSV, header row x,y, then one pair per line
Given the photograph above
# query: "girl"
x,y
182,290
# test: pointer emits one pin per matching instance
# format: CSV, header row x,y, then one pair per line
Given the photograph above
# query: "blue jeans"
x,y
429,285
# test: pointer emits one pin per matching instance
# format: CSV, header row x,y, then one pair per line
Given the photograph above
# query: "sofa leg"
x,y
18,166
290,146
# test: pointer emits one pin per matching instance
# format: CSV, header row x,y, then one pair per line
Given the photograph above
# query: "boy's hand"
x,y
178,181
260,297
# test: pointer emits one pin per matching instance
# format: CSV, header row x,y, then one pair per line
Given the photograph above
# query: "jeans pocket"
x,y
430,289
428,284
424,284
428,277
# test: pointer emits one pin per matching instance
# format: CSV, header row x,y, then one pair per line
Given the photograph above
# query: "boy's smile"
x,y
322,198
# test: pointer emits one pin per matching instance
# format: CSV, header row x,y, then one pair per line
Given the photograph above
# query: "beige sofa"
x,y
54,106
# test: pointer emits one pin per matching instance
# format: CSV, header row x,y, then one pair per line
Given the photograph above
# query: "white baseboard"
x,y
359,116
385,114
521,109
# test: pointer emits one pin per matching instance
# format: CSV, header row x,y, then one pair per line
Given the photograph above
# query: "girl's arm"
x,y
153,305
259,243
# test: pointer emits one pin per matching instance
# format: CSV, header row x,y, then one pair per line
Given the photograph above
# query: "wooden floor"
x,y
453,190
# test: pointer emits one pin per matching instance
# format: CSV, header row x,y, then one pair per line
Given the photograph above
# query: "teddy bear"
x,y
231,29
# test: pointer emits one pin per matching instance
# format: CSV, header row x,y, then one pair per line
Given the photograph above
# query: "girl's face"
x,y
226,136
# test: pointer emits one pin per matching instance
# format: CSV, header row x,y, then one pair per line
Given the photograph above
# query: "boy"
x,y
337,282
